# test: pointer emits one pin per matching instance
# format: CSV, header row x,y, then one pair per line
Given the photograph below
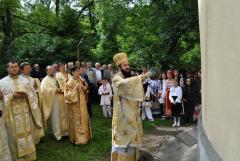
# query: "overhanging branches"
x,y
52,28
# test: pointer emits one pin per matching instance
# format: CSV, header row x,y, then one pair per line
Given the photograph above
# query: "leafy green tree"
x,y
152,32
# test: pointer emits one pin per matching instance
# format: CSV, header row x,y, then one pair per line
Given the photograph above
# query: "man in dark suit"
x,y
36,73
108,74
89,103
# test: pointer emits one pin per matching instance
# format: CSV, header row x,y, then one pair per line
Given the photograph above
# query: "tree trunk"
x,y
91,19
7,29
57,5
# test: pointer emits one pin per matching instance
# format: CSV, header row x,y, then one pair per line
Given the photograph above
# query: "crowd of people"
x,y
173,95
61,99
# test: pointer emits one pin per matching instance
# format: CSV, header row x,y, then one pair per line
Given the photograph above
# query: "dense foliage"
x,y
151,31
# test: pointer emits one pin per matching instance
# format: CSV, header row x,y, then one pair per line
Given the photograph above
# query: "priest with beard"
x,y
126,124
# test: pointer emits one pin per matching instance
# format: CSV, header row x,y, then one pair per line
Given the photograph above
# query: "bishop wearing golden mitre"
x,y
126,124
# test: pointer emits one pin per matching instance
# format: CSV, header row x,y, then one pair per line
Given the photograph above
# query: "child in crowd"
x,y
147,104
162,94
175,98
105,91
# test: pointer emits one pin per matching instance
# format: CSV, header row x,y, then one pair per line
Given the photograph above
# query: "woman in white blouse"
x,y
175,98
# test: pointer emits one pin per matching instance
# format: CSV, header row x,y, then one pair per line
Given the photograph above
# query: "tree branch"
x,y
33,6
84,8
52,28
21,34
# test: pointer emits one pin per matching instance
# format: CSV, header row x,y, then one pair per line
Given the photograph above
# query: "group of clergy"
x,y
59,103
28,106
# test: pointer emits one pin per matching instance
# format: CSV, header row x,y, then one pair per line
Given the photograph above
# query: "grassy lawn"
x,y
51,150
148,126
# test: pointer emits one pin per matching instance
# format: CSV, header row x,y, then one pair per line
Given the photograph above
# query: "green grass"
x,y
148,126
51,150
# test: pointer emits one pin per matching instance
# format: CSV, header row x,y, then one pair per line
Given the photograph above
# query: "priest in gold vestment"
x,y
52,106
76,98
25,72
5,154
18,114
126,124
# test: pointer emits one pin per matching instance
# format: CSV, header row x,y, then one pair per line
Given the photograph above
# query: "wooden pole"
x,y
79,49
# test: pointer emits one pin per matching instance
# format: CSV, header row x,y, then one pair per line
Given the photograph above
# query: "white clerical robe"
x,y
19,118
51,107
38,130
62,79
5,154
126,123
